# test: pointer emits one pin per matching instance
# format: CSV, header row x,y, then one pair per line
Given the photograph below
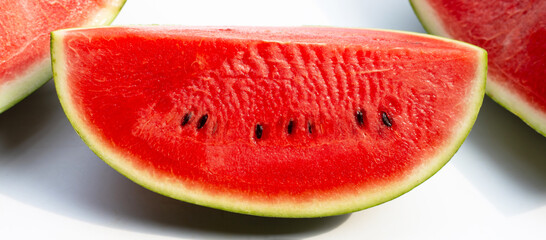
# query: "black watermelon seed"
x,y
259,130
310,127
202,121
186,119
290,126
359,116
386,119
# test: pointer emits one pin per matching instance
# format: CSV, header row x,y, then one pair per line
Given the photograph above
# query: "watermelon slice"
x,y
284,122
24,46
514,34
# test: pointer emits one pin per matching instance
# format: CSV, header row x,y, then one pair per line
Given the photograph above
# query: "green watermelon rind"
x,y
341,205
37,75
501,94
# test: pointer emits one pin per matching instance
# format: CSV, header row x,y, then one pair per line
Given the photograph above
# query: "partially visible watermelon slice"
x,y
24,39
514,34
284,122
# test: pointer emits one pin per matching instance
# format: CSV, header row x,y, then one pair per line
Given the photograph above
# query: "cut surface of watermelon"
x,y
284,122
24,49
514,34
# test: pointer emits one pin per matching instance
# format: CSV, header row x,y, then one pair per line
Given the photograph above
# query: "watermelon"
x,y
280,122
24,32
514,34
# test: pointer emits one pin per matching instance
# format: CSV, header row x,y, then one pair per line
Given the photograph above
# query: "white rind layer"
x,y
14,91
120,159
502,94
36,75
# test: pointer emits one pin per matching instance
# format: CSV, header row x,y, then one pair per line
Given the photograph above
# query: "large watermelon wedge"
x,y
286,122
514,34
24,39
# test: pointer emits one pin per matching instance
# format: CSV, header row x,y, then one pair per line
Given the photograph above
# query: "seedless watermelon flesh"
x,y
24,46
284,122
514,34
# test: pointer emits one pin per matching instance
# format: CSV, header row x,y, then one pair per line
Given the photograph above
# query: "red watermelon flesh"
x,y
286,122
24,45
514,34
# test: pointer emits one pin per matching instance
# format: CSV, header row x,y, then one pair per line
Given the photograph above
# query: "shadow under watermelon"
x,y
24,123
508,164
113,195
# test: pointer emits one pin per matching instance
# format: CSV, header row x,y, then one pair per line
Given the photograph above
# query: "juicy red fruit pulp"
x,y
25,37
271,113
514,35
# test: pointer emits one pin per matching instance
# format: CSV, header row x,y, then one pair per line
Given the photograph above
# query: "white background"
x,y
53,187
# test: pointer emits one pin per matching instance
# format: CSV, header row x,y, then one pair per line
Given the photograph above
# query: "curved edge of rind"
x,y
511,101
429,18
475,103
285,210
517,106
106,15
38,74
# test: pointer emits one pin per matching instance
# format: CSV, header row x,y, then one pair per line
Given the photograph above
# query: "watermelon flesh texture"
x,y
284,122
24,49
514,34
